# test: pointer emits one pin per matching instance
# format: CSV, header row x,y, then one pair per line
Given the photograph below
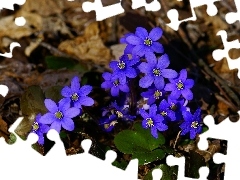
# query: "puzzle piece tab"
x,y
229,131
180,162
173,14
224,53
232,17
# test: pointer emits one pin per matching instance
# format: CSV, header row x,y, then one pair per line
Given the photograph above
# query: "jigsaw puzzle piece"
x,y
232,17
102,168
226,130
224,53
180,162
3,90
101,11
157,174
153,6
173,14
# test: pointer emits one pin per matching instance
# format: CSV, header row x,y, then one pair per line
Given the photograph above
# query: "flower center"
x,y
121,65
116,82
113,123
173,107
119,114
148,42
149,122
35,126
180,85
58,115
74,97
156,72
194,124
157,94
163,113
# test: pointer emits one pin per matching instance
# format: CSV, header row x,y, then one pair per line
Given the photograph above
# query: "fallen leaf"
x,y
87,47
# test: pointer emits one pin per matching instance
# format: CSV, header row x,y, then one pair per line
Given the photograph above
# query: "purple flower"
x,y
108,123
144,43
40,129
59,115
153,120
77,94
178,106
153,94
155,71
165,111
192,123
114,84
180,86
129,47
122,69
122,112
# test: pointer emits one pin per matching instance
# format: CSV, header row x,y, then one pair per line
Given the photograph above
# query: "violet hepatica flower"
x,y
114,84
165,111
153,120
122,69
108,123
144,43
59,115
178,106
153,94
77,94
128,49
180,86
192,123
122,112
39,129
155,71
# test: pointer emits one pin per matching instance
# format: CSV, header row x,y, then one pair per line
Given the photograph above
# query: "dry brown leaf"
x,y
8,28
88,47
117,50
43,7
3,129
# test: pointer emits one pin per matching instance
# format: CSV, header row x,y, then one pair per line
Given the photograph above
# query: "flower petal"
x,y
44,128
64,104
187,94
131,73
175,94
134,40
152,110
106,84
154,132
68,124
143,113
113,65
139,50
163,61
115,91
157,47
144,124
85,90
141,32
75,84
156,33
56,125
159,82
107,76
51,105
66,92
183,75
189,83
124,88
169,87
72,112
86,101
145,68
128,49
169,73
47,118
146,81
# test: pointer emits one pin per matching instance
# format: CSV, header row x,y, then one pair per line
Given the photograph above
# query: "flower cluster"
x,y
61,114
167,91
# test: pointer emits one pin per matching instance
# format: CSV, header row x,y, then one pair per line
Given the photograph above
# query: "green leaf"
x,y
54,62
146,157
54,93
193,163
122,165
12,139
169,173
32,101
140,143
